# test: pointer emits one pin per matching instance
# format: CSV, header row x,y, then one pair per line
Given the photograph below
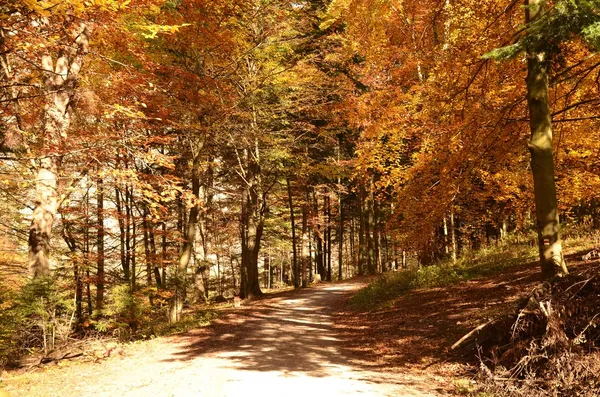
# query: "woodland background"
x,y
158,153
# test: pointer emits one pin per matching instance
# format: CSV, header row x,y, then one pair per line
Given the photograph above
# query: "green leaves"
x,y
565,21
591,35
504,53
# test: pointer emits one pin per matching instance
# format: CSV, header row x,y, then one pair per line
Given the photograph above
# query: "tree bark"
x,y
542,157
122,235
328,238
340,237
293,226
305,247
100,244
60,83
252,224
176,305
370,232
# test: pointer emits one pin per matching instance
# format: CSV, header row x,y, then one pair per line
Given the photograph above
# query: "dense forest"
x,y
158,154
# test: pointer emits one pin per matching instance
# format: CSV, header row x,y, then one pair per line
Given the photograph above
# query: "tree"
x,y
542,154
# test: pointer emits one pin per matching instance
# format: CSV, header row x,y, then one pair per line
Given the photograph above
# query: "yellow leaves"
x,y
120,110
152,30
47,8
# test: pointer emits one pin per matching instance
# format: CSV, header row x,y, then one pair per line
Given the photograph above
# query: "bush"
x,y
124,312
38,317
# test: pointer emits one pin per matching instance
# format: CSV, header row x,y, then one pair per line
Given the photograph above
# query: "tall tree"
x,y
542,152
61,77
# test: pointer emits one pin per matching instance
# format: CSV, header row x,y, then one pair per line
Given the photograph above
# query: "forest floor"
x,y
302,343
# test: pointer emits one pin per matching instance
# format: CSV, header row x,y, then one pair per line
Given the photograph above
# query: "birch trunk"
x,y
60,83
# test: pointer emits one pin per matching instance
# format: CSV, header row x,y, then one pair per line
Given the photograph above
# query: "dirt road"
x,y
289,344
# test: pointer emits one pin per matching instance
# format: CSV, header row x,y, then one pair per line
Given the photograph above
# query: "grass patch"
x,y
199,318
383,291
487,261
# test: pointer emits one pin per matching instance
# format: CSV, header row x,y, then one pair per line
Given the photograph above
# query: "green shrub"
x,y
38,317
124,312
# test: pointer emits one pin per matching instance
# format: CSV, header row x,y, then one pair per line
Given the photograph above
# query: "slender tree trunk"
x,y
340,237
328,238
100,245
453,236
542,159
133,244
293,226
352,239
362,233
163,256
122,236
370,232
305,247
176,306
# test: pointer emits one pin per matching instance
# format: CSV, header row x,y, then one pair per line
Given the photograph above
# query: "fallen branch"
x,y
468,335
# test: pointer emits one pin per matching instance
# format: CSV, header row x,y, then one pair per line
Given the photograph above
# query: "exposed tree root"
x,y
551,346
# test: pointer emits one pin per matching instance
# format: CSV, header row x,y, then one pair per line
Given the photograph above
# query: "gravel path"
x,y
285,345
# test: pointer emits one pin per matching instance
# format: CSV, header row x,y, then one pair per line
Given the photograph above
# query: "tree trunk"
x,y
252,224
122,236
328,238
370,232
132,246
305,247
176,305
340,237
59,84
293,226
362,248
542,159
100,244
453,236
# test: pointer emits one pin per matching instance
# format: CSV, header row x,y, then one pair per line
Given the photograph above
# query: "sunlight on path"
x,y
276,347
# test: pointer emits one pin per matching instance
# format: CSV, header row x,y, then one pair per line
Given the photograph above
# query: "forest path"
x,y
285,344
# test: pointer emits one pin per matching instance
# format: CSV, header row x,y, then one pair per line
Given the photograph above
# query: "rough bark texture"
x,y
252,225
60,83
542,159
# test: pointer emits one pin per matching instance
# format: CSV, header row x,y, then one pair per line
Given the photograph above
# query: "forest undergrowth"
x,y
550,345
543,343
515,250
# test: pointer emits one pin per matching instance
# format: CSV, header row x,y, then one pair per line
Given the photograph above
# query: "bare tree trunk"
x,y
132,246
370,232
293,226
176,305
252,223
340,237
453,236
305,247
328,238
100,244
123,237
362,232
542,158
60,83
352,239
163,256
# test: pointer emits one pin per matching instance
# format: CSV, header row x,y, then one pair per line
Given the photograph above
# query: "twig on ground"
x,y
468,335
